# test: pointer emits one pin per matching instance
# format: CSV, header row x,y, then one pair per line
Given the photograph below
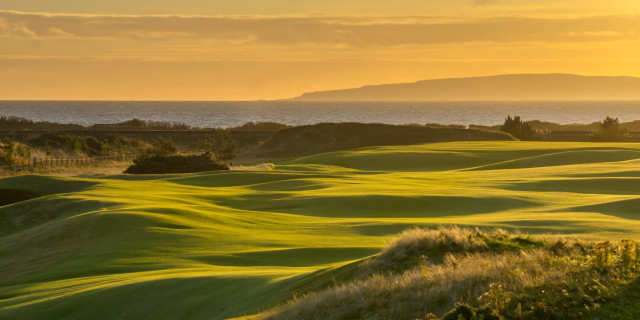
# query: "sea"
x,y
224,114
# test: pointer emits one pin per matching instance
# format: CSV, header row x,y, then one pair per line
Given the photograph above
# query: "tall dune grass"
x,y
524,278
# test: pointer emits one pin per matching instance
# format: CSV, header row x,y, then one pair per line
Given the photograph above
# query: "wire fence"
x,y
40,163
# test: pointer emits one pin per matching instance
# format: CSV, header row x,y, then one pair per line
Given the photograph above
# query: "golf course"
x,y
234,244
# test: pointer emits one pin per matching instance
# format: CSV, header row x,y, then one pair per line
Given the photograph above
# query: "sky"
x,y
274,49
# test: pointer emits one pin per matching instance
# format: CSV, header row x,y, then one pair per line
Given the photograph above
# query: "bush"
x,y
219,144
78,144
12,153
519,129
610,130
157,164
161,146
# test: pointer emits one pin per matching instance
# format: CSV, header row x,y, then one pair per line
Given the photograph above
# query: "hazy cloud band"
x,y
387,31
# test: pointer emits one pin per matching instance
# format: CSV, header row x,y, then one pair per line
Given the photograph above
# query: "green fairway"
x,y
222,245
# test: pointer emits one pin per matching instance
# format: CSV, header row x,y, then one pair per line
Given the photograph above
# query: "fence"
x,y
36,163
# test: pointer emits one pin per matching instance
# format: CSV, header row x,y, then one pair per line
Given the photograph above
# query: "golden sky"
x,y
268,49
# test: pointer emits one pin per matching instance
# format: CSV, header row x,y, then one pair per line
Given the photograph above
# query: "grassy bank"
x,y
224,245
453,272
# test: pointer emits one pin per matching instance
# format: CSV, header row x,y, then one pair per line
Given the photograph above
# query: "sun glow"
x,y
245,50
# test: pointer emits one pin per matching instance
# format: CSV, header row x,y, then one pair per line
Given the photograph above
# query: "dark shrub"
x,y
519,129
137,124
17,123
175,164
327,137
90,145
162,146
610,130
261,126
219,144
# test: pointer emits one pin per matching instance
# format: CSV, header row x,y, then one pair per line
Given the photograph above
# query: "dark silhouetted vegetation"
x,y
162,157
519,129
137,124
161,146
610,130
18,123
174,163
72,143
219,145
326,137
260,126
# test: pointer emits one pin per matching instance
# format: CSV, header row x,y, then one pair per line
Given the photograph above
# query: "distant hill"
x,y
492,88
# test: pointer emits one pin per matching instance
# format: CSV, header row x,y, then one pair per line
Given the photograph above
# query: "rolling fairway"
x,y
228,244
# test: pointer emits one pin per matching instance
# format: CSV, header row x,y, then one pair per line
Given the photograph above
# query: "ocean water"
x,y
227,114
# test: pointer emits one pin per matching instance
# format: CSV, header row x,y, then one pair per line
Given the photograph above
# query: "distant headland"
x,y
508,87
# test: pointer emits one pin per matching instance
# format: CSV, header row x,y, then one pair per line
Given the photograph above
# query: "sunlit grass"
x,y
221,245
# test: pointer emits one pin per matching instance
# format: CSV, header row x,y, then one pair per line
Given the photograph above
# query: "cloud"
x,y
16,30
337,32
485,2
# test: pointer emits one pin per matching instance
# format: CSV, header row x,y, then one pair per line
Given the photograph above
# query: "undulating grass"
x,y
221,245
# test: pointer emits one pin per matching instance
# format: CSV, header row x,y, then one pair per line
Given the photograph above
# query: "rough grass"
x,y
415,246
531,278
220,245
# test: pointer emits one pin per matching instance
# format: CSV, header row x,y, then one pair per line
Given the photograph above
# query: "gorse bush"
x,y
162,157
159,164
474,274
